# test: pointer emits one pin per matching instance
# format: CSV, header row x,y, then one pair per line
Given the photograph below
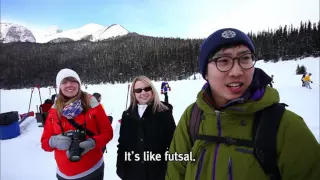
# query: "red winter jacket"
x,y
96,121
45,107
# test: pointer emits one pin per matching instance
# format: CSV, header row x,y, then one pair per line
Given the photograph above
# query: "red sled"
x,y
31,113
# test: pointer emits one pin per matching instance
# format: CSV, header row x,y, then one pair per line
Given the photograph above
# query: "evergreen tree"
x,y
120,59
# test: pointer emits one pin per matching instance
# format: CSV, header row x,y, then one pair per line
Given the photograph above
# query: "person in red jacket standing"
x,y
75,107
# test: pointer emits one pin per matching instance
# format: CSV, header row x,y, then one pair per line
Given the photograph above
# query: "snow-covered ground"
x,y
23,159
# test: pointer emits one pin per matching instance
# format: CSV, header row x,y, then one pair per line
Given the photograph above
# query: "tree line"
x,y
119,60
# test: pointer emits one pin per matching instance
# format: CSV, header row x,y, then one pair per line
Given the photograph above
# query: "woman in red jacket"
x,y
77,153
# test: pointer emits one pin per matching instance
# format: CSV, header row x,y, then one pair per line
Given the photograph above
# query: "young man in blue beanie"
x,y
237,129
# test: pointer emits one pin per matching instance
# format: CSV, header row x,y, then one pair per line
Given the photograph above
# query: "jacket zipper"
x,y
200,164
230,169
217,146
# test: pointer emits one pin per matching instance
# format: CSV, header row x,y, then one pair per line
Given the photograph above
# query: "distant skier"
x,y
307,81
304,75
271,81
164,90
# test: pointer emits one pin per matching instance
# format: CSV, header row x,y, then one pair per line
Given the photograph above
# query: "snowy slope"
x,y
25,153
52,30
96,32
75,34
15,33
108,32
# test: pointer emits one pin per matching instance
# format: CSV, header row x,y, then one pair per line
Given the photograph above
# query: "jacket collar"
x,y
254,92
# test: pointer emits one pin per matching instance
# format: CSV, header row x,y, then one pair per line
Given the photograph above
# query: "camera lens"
x,y
75,150
74,158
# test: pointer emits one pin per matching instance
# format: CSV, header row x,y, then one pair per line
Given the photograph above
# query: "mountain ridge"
x,y
92,32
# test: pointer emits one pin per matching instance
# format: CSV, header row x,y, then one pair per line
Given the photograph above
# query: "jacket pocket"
x,y
58,125
200,164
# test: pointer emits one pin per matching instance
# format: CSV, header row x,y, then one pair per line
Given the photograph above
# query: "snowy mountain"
x,y
91,32
53,30
15,33
108,32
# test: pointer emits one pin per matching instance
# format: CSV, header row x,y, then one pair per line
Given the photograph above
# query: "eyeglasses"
x,y
139,90
225,63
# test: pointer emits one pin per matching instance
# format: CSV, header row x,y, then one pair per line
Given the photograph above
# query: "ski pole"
x,y
127,95
38,86
30,99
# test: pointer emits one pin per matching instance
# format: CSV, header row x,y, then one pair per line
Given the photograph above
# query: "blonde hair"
x,y
158,106
62,100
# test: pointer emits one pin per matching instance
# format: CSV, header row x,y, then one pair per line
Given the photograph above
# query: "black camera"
x,y
75,150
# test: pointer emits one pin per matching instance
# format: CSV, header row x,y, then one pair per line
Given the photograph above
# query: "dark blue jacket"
x,y
165,87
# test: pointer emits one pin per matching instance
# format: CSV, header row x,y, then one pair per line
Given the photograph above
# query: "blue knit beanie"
x,y
220,39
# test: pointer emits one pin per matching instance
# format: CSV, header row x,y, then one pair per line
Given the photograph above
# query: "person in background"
x,y
46,106
164,90
304,75
147,126
98,97
66,131
53,98
307,81
271,83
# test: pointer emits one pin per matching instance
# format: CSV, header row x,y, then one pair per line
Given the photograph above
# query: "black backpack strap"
x,y
265,130
227,140
78,126
88,132
194,122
